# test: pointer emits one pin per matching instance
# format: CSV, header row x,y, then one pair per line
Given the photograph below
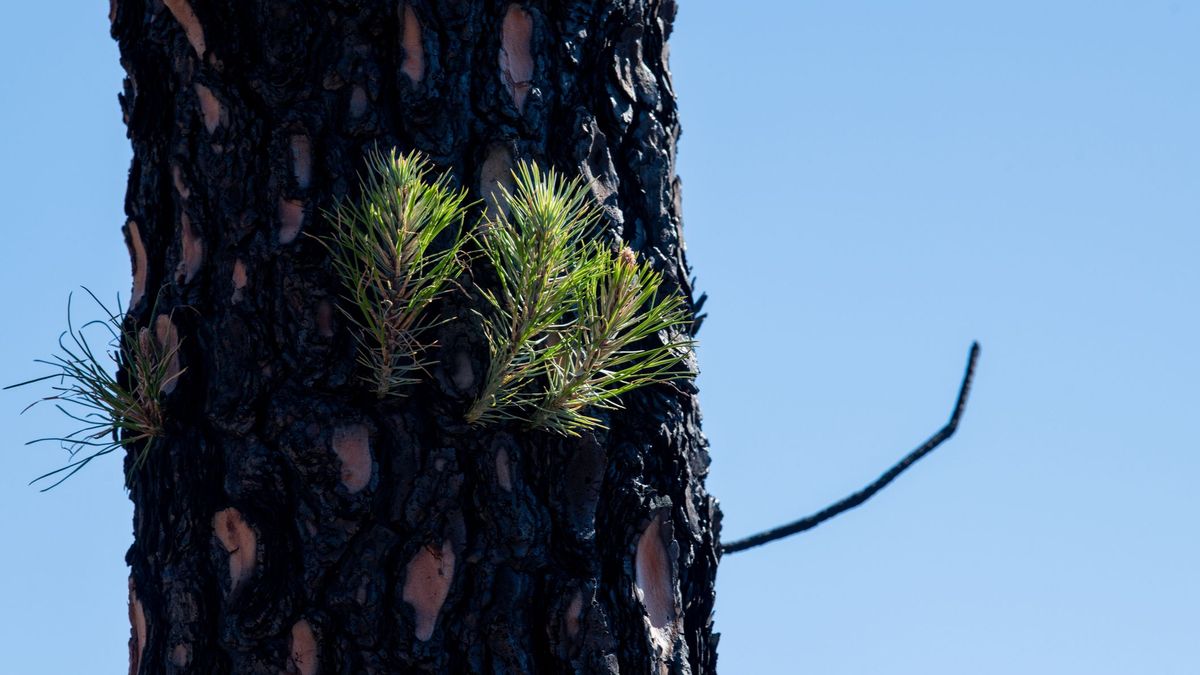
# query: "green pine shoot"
x,y
384,248
572,324
112,413
533,247
599,358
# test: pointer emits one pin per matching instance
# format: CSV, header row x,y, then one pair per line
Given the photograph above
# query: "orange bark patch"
x,y
303,659
353,447
240,541
426,585
414,51
210,108
182,11
137,252
495,173
574,614
654,575
137,623
516,59
503,471
192,254
302,160
239,279
291,219
168,336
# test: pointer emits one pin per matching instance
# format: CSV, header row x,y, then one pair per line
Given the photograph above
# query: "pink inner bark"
x,y
168,338
239,280
182,11
414,51
181,654
352,444
138,253
516,58
180,186
210,108
193,250
137,621
574,614
291,219
426,585
654,575
304,658
240,541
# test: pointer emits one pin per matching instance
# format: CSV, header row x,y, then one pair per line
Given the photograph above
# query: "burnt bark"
x,y
289,521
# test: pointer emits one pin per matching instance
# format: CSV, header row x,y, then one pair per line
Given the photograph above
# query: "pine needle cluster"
x,y
112,412
572,324
384,247
598,358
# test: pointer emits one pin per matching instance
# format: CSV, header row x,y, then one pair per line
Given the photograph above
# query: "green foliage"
x,y
534,249
571,324
112,412
565,322
616,307
384,248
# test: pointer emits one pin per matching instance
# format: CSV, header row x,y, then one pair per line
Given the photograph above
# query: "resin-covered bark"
x,y
292,522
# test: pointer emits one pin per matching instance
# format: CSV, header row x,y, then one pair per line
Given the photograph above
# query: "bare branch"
x,y
869,491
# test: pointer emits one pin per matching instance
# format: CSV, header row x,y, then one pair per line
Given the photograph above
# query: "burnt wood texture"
x,y
290,521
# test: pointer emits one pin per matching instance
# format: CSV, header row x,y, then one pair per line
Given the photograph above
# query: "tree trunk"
x,y
291,522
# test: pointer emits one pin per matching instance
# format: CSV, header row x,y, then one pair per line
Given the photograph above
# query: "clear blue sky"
x,y
868,187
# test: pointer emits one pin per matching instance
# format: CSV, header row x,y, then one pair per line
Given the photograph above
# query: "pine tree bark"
x,y
290,522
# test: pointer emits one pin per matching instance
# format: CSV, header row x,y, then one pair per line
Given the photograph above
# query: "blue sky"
x,y
868,187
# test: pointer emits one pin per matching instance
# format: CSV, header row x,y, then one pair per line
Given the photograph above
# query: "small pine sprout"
x,y
573,324
112,412
616,309
533,247
384,249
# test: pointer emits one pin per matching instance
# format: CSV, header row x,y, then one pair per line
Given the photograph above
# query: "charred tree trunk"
x,y
291,522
